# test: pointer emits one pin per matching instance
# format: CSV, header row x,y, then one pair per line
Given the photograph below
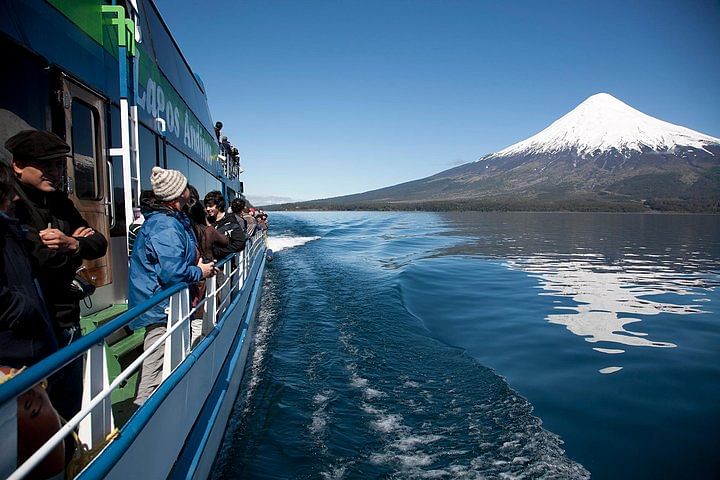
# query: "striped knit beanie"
x,y
167,185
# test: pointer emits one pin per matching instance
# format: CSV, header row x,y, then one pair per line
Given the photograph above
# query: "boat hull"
x,y
178,431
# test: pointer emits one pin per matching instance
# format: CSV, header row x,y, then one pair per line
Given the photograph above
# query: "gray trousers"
x,y
152,366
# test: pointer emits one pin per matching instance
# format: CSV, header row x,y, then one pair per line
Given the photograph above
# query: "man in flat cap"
x,y
60,239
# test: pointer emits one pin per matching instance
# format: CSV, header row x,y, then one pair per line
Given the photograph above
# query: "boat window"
x,y
176,160
148,155
196,178
24,91
84,121
212,183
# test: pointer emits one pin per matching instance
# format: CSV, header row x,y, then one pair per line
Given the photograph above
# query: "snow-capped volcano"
x,y
603,155
601,124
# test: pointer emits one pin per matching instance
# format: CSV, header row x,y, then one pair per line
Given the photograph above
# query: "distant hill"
x,y
602,156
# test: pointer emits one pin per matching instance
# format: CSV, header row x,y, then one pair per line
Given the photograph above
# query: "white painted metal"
x,y
66,429
168,428
124,151
210,317
99,422
178,344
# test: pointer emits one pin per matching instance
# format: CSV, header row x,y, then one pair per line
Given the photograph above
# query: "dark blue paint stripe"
x,y
194,447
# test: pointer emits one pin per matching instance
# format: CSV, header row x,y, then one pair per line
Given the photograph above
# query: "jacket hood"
x,y
149,206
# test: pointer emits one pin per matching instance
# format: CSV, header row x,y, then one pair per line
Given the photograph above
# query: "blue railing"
x,y
178,358
19,384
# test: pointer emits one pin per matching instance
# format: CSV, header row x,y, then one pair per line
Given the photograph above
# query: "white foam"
x,y
357,381
319,422
388,422
322,397
371,393
335,473
280,243
416,460
608,370
410,442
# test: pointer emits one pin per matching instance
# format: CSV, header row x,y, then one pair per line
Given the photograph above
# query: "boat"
x,y
112,81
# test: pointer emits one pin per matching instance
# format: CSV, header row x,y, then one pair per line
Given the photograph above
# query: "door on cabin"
x,y
88,171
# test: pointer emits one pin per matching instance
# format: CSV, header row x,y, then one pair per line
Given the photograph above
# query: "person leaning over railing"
x,y
208,239
225,223
250,222
262,221
60,239
26,332
237,205
164,255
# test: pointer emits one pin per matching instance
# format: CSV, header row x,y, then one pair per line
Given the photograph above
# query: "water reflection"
x,y
617,270
609,298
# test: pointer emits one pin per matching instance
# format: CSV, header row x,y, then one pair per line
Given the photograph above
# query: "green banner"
x,y
160,104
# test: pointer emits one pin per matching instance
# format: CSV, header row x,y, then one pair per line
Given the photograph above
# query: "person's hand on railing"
x,y
208,269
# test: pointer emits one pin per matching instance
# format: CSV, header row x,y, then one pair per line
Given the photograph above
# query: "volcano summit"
x,y
602,155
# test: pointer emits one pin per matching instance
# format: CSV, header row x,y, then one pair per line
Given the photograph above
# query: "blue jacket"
x,y
164,255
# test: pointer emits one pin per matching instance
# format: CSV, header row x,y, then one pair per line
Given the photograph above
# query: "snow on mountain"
x,y
602,123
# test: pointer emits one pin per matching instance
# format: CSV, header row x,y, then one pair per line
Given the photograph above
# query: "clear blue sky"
x,y
327,98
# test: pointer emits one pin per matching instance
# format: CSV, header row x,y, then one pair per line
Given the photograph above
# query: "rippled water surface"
x,y
484,345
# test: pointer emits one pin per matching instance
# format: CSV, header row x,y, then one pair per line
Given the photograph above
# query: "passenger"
x,y
225,145
208,239
225,224
194,198
26,331
165,254
218,129
60,239
135,227
237,205
250,221
262,222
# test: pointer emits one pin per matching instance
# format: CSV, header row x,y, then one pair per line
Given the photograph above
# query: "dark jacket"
x,y
165,254
250,224
230,227
56,270
208,239
26,332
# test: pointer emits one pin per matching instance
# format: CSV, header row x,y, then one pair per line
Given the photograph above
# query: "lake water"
x,y
484,345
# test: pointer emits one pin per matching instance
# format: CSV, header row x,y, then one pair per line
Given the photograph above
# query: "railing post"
x,y
186,329
241,269
177,343
210,316
99,422
8,433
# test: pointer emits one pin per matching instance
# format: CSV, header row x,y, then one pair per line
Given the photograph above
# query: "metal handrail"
x,y
43,369
32,376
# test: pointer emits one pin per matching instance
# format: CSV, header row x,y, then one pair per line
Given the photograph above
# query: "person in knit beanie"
x,y
168,185
164,254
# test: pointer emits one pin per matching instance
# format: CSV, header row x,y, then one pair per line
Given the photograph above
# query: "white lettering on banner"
x,y
155,104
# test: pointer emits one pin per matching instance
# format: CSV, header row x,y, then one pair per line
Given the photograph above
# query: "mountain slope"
x,y
603,155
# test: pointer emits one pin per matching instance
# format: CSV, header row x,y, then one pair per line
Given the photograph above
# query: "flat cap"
x,y
37,145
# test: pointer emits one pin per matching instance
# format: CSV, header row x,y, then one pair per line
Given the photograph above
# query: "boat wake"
x,y
278,244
